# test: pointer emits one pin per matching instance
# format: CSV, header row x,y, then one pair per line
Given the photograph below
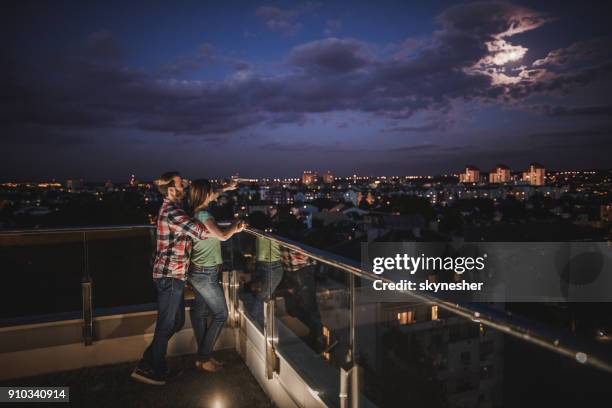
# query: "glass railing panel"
x,y
312,320
120,266
267,273
41,274
416,353
245,262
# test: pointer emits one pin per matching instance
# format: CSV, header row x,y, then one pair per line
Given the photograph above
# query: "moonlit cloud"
x,y
500,52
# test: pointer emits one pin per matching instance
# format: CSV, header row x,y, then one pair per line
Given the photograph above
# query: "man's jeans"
x,y
170,319
209,299
302,304
269,275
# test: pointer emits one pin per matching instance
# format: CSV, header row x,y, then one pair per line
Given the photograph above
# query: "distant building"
x,y
133,181
606,213
309,177
535,175
470,175
74,184
500,174
263,192
280,196
352,196
299,197
328,177
369,199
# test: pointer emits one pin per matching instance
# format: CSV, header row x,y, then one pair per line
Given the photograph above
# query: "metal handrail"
x,y
63,230
474,311
527,331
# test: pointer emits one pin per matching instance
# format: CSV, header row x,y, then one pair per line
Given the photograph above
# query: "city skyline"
x,y
328,177
104,90
516,173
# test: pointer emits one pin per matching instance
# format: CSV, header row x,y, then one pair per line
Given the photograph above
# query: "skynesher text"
x,y
427,286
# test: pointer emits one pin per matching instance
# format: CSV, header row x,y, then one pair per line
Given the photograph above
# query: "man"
x,y
300,271
175,231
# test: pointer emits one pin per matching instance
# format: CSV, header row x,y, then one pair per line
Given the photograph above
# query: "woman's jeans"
x,y
269,275
209,300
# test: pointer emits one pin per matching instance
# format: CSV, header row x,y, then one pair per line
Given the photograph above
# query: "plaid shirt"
x,y
175,231
294,261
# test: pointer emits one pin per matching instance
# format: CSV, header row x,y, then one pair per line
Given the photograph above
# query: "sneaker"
x,y
147,377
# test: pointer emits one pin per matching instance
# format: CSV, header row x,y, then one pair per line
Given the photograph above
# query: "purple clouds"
x,y
478,53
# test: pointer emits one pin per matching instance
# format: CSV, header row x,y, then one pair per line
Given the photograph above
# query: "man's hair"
x,y
166,181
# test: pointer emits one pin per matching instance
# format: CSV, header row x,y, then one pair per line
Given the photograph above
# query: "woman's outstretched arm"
x,y
223,233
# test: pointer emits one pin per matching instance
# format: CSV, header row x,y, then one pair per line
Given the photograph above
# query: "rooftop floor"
x,y
111,386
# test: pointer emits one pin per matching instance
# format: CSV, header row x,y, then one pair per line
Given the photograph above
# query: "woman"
x,y
203,276
268,267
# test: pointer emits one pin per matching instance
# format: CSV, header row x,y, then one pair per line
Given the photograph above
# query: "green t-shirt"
x,y
267,250
206,252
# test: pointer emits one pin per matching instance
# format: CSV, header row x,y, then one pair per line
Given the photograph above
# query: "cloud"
x,y
595,140
332,27
577,54
408,128
103,45
284,21
488,20
337,147
42,135
286,118
493,23
330,55
572,111
572,134
417,148
204,55
96,89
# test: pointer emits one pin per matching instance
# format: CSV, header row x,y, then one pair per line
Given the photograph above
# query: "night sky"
x,y
104,90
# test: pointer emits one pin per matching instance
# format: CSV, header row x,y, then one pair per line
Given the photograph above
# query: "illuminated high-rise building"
x,y
328,177
369,198
309,177
535,175
74,184
500,174
606,212
470,175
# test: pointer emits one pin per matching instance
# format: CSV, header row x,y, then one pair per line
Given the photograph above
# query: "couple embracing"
x,y
188,249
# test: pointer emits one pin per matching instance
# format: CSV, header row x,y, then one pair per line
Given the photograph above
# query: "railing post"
x,y
344,379
230,289
355,386
234,288
272,361
350,370
225,283
86,295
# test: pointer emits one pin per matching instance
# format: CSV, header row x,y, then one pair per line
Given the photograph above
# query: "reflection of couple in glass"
x,y
188,248
284,273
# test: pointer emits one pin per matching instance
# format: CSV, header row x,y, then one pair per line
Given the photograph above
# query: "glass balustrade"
x,y
41,274
318,313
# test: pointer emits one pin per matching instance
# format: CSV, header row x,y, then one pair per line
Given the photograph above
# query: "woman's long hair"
x,y
198,193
